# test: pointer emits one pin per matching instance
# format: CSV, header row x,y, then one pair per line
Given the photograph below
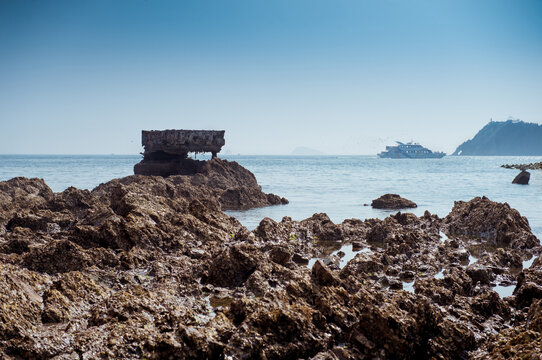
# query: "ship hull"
x,y
404,156
390,154
409,151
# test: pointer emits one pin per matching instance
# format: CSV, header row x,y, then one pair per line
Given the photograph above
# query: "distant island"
x,y
512,137
302,150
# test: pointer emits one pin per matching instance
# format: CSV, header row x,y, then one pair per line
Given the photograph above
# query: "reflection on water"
x,y
347,250
408,286
504,291
349,254
469,261
527,263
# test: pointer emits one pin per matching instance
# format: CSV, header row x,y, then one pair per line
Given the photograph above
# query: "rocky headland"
x,y
502,138
151,267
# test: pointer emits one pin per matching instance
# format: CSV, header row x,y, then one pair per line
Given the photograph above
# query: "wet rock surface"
x,y
392,202
233,186
494,223
147,267
522,178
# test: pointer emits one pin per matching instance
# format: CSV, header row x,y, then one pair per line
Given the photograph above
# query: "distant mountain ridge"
x,y
511,137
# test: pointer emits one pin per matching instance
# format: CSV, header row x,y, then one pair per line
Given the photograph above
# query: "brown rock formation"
x,y
392,202
150,267
531,166
233,186
494,222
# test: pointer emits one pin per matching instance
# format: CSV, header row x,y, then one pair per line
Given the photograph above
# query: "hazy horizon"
x,y
341,77
227,151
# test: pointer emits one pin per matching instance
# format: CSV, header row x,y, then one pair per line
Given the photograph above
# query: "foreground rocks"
x,y
392,202
140,267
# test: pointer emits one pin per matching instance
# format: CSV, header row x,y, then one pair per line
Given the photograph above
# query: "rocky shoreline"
x,y
151,267
531,166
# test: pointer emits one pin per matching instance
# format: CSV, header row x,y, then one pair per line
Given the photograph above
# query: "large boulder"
x,y
522,178
232,185
22,194
392,202
493,222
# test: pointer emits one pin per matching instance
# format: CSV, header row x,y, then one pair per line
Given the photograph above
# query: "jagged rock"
x,y
233,266
299,259
522,178
267,229
392,202
493,222
233,186
280,255
320,227
323,275
20,301
150,267
531,166
529,287
480,273
22,194
58,256
534,317
515,343
489,304
72,294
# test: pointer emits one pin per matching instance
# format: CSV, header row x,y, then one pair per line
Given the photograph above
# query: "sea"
x,y
340,186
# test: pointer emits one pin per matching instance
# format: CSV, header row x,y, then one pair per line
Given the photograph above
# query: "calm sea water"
x,y
336,185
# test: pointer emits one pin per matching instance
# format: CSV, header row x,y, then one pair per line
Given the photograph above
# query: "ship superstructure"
x,y
409,150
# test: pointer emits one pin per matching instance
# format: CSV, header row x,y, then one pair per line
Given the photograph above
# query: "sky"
x,y
338,76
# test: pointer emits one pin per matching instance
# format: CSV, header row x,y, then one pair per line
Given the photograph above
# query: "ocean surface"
x,y
340,186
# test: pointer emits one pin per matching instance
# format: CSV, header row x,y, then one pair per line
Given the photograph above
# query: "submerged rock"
x,y
392,202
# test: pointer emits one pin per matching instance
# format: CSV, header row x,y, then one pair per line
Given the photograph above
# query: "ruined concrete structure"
x,y
166,151
180,142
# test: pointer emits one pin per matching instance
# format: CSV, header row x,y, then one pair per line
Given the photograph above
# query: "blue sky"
x,y
343,77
